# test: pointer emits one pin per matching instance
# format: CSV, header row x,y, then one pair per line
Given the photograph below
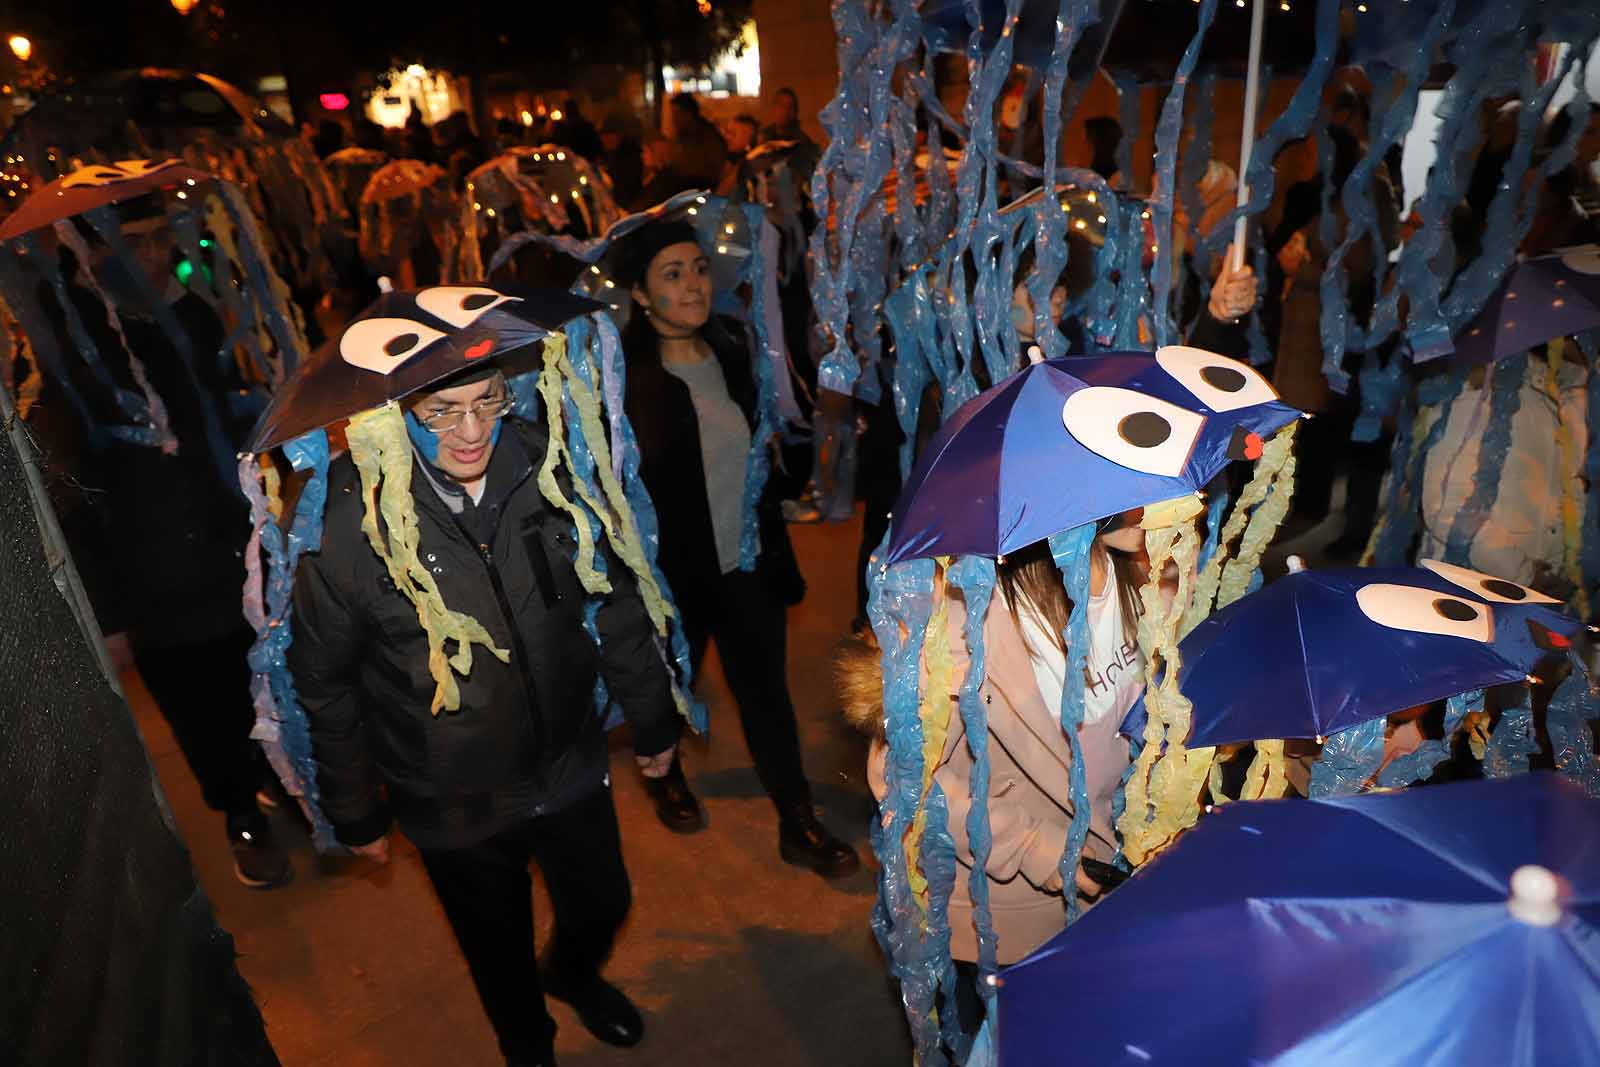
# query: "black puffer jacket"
x,y
527,738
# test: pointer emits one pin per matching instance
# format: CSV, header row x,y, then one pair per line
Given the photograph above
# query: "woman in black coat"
x,y
691,397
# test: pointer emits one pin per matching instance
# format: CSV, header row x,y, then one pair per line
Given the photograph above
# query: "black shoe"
x,y
257,860
676,805
805,842
603,1009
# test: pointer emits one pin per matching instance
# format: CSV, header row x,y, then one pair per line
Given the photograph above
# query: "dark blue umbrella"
x,y
1541,299
1317,652
1454,924
1073,440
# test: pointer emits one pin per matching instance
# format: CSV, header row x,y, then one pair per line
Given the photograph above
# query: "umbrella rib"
x,y
1305,674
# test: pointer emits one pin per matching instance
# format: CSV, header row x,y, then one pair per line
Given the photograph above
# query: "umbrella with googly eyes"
x,y
1071,441
1320,651
406,341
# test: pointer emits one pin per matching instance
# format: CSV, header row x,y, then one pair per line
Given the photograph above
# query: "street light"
x,y
183,7
21,47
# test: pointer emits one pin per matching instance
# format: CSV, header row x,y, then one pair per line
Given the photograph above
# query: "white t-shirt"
x,y
1113,676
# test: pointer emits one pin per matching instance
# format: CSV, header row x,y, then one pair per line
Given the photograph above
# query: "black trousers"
x,y
487,895
203,690
751,632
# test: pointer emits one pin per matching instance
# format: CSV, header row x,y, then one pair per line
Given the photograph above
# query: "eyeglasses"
x,y
489,409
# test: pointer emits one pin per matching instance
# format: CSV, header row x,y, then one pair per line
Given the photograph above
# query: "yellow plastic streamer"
x,y
382,454
935,716
1277,469
272,486
1476,725
32,384
593,581
1163,793
1571,500
1211,578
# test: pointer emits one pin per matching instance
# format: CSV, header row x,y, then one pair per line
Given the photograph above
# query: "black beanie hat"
x,y
643,246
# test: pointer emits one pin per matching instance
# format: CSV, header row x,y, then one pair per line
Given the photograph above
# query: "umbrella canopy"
x,y
1317,652
1451,924
405,341
1541,299
400,177
1069,441
96,185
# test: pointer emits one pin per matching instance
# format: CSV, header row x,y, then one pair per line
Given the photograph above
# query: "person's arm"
x,y
324,658
636,677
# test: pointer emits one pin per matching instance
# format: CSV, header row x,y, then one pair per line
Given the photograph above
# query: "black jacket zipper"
x,y
519,652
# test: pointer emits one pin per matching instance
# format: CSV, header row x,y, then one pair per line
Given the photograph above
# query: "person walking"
x,y
691,398
519,770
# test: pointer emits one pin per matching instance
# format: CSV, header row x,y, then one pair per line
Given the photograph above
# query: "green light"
x,y
205,242
184,271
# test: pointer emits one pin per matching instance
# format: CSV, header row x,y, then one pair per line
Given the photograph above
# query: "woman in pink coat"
x,y
1030,808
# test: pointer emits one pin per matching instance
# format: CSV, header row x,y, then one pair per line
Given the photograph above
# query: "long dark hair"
x,y
1031,574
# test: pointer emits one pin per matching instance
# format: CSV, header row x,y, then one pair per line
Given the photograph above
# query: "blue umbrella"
x,y
1068,441
1541,299
1452,924
1317,652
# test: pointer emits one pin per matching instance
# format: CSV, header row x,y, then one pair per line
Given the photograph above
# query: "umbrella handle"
x,y
1247,135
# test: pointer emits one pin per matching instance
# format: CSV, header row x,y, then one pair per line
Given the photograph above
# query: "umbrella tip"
x,y
1296,564
1535,896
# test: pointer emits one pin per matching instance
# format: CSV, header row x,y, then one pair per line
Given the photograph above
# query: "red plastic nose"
x,y
1559,641
1252,446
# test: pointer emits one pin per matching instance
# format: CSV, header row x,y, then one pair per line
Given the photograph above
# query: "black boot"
x,y
258,861
676,805
805,842
604,1010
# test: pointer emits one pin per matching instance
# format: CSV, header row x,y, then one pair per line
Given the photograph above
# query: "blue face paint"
x,y
425,440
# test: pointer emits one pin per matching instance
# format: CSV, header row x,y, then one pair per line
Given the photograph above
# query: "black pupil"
x,y
400,344
1501,587
476,301
1455,610
1225,379
1144,429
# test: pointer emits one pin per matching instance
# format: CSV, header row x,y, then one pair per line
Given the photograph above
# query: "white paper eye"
x,y
1133,430
380,345
1220,383
460,305
1495,590
1425,611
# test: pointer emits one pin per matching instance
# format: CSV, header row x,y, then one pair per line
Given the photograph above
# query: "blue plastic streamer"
x,y
1408,461
258,268
1071,551
1573,706
1419,765
1427,259
1128,110
1505,400
132,404
108,225
1382,383
1133,292
899,605
937,860
281,724
1168,128
974,577
1513,740
758,464
1216,511
20,299
1050,230
1506,226
1192,166
1349,759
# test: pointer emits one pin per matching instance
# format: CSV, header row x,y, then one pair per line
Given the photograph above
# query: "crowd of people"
x,y
522,773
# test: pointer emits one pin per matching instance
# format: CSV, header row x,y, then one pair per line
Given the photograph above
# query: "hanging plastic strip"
x,y
1071,551
1348,761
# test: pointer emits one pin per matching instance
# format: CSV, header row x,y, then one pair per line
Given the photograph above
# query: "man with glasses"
x,y
520,770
